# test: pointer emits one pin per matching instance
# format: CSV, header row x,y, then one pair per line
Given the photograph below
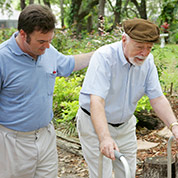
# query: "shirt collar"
x,y
14,47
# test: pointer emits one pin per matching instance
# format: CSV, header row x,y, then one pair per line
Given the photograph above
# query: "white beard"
x,y
135,62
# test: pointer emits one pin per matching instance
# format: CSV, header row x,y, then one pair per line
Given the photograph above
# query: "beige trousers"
x,y
123,135
28,154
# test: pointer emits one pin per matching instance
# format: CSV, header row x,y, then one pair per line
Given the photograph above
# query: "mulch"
x,y
73,166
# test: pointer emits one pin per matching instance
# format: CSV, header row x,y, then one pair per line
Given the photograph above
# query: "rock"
x,y
144,145
148,120
165,132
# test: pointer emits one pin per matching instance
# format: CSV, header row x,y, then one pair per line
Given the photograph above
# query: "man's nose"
x,y
47,45
145,52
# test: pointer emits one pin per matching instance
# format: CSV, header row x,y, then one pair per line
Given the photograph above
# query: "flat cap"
x,y
141,30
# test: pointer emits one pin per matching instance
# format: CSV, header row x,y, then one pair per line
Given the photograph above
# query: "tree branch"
x,y
87,11
111,5
125,6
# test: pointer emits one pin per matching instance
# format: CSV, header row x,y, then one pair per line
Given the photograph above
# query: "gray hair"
x,y
127,36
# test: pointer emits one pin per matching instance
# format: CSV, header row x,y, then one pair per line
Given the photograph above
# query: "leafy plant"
x,y
143,104
65,102
66,90
68,122
6,34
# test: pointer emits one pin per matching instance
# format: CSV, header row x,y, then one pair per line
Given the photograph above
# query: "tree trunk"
x,y
22,4
101,17
90,24
141,8
77,16
156,167
47,3
86,11
125,6
69,144
62,12
75,7
117,12
142,11
31,1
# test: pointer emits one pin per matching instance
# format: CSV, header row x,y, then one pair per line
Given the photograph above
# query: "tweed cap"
x,y
141,30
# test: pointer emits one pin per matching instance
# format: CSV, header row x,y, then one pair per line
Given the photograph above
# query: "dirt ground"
x,y
72,166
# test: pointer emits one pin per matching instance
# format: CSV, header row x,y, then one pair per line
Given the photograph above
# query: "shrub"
x,y
65,102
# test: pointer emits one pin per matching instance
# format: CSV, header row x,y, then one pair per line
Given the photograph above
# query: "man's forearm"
x,y
82,60
163,110
107,144
98,118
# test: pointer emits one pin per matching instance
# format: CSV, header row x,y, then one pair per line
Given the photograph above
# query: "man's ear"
x,y
124,38
23,34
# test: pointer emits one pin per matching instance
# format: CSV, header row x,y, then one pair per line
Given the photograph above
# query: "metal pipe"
x,y
169,157
100,166
120,157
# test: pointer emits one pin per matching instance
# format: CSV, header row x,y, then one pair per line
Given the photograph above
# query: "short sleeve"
x,y
97,79
65,63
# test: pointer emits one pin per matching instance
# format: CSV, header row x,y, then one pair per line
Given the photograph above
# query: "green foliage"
x,y
67,43
169,14
66,91
68,122
60,41
65,102
143,104
169,11
6,34
166,60
6,5
173,33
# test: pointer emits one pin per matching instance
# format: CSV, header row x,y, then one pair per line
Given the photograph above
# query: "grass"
x,y
166,60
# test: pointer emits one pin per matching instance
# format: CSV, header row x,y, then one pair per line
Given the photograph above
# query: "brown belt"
x,y
88,113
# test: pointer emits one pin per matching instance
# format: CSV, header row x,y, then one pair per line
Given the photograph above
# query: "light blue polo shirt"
x,y
26,85
111,77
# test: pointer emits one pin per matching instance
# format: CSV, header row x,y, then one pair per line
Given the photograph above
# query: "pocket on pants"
x,y
84,124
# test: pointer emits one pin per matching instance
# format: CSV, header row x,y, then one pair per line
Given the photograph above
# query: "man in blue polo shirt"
x,y
29,65
119,74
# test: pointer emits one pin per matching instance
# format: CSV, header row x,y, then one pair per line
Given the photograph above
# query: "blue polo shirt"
x,y
26,85
120,84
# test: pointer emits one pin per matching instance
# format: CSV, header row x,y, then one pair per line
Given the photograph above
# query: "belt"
x,y
116,125
88,113
85,111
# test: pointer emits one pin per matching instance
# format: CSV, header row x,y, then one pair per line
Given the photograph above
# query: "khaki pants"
x,y
123,135
28,154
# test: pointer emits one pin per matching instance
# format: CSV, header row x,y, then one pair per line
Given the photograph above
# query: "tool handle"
x,y
118,156
121,157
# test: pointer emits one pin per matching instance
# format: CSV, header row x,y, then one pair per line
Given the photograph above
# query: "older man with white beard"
x,y
119,74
